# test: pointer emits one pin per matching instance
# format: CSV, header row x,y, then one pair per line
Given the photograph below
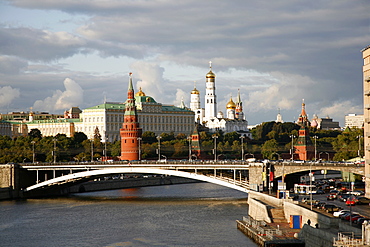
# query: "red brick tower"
x,y
303,146
195,143
130,131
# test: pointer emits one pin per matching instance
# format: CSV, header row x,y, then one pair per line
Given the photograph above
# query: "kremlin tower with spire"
x,y
303,146
130,131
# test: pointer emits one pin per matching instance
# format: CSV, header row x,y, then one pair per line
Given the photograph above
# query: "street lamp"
x,y
33,151
92,150
241,138
189,140
359,145
315,138
139,140
105,149
159,147
292,149
215,148
310,176
55,148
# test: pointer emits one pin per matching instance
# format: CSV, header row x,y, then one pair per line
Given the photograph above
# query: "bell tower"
x,y
210,98
130,131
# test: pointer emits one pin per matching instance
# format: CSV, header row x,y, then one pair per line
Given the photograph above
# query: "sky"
x,y
59,54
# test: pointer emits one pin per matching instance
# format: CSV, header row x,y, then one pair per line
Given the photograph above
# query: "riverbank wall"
x,y
9,193
273,216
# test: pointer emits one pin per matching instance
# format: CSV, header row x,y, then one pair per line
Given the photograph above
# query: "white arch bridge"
x,y
227,175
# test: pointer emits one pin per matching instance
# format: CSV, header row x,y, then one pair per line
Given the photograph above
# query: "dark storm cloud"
x,y
311,48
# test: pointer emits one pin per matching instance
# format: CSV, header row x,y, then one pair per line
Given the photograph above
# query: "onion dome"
x,y
231,104
210,74
195,91
140,93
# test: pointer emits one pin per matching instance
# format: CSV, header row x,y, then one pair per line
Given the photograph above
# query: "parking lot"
x,y
363,209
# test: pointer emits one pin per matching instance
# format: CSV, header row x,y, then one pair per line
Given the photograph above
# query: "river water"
x,y
198,214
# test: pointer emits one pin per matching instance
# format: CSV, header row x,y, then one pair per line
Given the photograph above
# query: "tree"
x,y
97,135
231,137
269,148
35,133
79,137
149,137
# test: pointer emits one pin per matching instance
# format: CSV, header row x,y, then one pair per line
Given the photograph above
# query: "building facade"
x,y
109,116
354,121
366,81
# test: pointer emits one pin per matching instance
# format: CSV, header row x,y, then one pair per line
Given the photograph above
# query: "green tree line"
x,y
271,140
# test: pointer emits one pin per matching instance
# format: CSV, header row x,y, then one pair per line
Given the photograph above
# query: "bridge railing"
x,y
242,183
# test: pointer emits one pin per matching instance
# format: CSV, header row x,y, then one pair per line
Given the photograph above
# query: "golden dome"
x,y
210,74
195,91
231,104
140,93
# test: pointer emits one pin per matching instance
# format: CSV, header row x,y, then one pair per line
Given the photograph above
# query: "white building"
x,y
354,120
234,120
108,119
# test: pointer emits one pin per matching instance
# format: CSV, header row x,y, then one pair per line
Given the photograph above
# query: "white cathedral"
x,y
210,118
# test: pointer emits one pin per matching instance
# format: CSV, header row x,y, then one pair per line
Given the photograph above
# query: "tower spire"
x,y
130,131
239,107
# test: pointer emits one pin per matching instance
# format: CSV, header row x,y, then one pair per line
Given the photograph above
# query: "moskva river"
x,y
198,214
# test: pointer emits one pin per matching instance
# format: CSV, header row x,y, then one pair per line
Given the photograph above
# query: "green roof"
x,y
174,108
64,120
115,106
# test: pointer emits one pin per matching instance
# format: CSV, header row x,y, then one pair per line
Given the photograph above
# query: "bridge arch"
x,y
230,183
296,168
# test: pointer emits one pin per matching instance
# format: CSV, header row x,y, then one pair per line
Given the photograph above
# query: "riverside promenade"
x,y
269,224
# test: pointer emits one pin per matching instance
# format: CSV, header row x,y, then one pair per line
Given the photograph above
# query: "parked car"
x,y
347,217
362,200
330,208
340,212
356,218
331,197
320,204
351,201
356,192
361,220
320,192
343,198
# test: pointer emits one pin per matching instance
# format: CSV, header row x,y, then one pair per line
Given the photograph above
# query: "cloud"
x,y
39,45
181,95
11,65
72,96
7,95
305,50
338,109
150,78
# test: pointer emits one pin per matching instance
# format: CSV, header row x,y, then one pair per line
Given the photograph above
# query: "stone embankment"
x,y
269,223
